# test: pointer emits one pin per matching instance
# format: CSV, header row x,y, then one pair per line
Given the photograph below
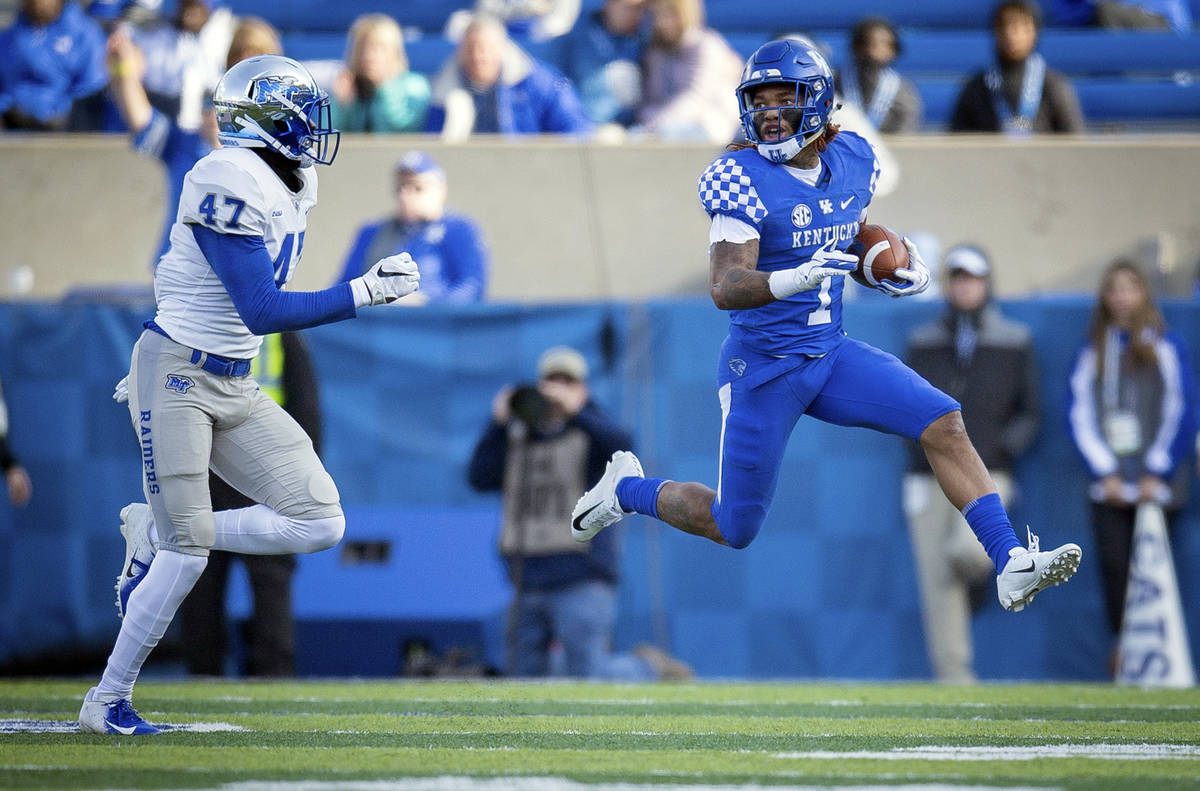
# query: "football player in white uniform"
x,y
236,241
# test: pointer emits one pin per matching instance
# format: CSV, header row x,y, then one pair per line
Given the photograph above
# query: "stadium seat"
x,y
776,16
1104,100
310,15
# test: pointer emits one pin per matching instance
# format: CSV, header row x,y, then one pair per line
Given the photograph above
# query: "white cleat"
x,y
1029,572
136,519
598,508
108,714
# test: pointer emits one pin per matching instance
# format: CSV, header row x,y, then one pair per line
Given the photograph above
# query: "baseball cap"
x,y
419,163
562,360
967,259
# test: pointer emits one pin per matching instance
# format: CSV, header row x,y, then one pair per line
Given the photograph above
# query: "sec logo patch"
x,y
801,215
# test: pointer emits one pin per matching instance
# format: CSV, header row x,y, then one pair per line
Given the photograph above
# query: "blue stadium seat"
x,y
307,45
1103,99
1074,52
777,16
312,15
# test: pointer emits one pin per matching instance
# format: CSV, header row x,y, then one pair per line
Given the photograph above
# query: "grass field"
x,y
445,736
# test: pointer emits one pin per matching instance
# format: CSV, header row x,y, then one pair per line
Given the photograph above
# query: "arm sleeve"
x,y
1082,419
301,397
485,473
245,269
725,228
725,188
564,113
1170,444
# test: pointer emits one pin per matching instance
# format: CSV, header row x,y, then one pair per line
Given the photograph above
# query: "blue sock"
x,y
640,494
987,518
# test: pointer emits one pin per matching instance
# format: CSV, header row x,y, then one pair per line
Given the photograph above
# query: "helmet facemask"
x,y
279,108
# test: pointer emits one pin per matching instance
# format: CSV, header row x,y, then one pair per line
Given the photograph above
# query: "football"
x,y
880,252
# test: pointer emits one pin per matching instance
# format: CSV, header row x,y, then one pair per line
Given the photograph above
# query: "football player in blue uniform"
x,y
784,210
236,241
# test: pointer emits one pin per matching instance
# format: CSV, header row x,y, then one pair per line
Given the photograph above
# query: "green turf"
x,y
726,733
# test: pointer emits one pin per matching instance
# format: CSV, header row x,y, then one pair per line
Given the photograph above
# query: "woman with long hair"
x,y
1131,418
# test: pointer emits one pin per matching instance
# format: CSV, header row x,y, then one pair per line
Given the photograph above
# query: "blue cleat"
x,y
112,716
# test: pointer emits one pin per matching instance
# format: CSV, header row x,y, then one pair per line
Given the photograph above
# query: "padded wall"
x,y
827,589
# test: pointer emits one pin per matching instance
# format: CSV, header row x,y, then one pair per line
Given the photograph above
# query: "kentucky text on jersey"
x,y
794,220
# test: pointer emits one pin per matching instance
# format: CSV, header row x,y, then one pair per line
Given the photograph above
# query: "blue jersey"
x,y
794,220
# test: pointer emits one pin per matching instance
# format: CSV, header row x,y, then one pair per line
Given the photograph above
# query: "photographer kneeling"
x,y
546,444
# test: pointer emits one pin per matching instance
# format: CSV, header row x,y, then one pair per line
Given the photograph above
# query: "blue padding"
x,y
827,589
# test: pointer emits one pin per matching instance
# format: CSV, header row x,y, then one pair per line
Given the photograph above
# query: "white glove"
x,y
916,273
121,391
391,278
826,262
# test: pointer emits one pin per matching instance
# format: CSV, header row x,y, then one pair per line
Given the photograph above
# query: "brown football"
x,y
880,252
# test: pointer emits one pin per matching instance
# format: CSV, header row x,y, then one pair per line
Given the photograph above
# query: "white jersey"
x,y
231,191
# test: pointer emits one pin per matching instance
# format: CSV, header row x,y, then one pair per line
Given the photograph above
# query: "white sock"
x,y
151,607
258,530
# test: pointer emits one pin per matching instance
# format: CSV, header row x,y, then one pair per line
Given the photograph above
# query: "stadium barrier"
x,y
827,589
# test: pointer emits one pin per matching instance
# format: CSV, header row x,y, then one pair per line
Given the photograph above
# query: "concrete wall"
x,y
567,221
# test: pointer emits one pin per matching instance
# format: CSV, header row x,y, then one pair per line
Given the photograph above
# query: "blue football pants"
x,y
762,397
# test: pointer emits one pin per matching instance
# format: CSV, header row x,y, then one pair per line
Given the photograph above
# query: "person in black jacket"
x,y
986,362
1019,95
545,445
285,372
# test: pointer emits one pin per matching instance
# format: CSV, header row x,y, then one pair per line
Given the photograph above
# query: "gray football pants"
x,y
188,420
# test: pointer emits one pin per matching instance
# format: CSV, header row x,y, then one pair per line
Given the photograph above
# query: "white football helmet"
x,y
273,101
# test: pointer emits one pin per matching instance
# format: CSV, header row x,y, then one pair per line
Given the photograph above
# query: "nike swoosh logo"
x,y
132,571
846,202
577,520
128,730
1032,566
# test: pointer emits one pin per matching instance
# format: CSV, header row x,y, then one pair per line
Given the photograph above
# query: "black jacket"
x,y
998,389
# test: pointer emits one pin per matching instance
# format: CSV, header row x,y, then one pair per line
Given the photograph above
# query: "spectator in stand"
x,y
185,57
448,247
533,20
984,361
377,92
690,73
1020,95
52,69
1175,15
890,101
16,478
604,60
544,445
492,86
158,135
1131,412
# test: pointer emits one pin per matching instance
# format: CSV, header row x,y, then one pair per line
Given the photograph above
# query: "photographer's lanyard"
x,y
1032,83
881,101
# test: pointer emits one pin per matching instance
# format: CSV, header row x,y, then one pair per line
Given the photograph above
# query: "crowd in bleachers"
x,y
620,68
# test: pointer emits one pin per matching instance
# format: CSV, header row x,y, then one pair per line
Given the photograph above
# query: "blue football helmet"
x,y
798,64
272,101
